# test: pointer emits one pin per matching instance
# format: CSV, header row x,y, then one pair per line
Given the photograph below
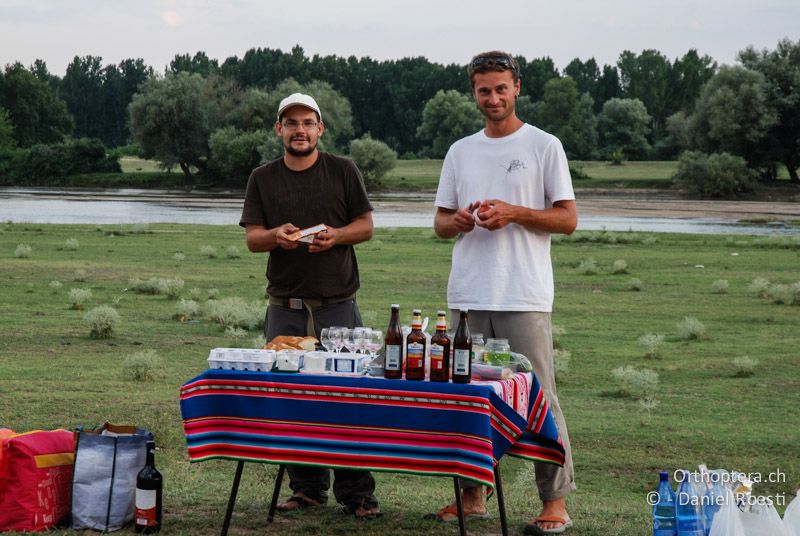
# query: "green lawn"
x,y
52,374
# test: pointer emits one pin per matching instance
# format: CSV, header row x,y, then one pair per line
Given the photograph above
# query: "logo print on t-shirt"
x,y
515,165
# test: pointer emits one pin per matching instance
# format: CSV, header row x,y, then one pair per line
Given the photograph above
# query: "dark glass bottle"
x,y
415,349
440,350
393,365
147,519
462,351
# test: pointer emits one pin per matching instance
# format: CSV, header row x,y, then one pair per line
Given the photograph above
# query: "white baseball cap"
x,y
298,99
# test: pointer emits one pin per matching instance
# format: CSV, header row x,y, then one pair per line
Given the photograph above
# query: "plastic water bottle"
x,y
689,508
714,497
664,520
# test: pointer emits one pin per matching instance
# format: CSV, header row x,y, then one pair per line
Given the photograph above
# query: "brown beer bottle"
x,y
440,350
393,366
462,351
415,349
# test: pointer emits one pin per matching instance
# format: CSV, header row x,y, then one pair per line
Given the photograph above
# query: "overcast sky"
x,y
443,31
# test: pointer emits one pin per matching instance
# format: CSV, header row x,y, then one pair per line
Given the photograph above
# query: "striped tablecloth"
x,y
369,423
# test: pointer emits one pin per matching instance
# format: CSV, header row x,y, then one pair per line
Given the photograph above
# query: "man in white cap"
x,y
312,285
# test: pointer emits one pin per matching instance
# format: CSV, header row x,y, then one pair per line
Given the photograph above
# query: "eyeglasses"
x,y
503,61
292,125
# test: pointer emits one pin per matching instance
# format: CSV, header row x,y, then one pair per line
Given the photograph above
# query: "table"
x,y
426,428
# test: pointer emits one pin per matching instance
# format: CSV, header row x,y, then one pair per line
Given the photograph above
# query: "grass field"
x,y
52,374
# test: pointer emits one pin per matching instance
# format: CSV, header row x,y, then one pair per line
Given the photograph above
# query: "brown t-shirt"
x,y
331,192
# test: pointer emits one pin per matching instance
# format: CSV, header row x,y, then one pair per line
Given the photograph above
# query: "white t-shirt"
x,y
508,269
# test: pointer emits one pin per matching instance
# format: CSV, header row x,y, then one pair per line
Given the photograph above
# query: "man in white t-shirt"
x,y
502,192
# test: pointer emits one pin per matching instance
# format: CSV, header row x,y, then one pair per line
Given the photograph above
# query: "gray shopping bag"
x,y
107,461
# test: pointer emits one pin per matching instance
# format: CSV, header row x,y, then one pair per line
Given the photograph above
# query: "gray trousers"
x,y
531,334
351,488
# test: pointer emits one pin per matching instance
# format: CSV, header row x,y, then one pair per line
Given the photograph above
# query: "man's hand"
x,y
497,215
463,219
324,240
282,236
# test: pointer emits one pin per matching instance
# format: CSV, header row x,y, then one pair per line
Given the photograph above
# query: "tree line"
x,y
645,106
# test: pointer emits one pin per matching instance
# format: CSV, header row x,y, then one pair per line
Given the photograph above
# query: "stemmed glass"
x,y
348,338
359,339
335,335
325,339
374,341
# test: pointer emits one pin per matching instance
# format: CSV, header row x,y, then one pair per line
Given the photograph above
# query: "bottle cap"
x,y
441,313
395,306
417,311
664,475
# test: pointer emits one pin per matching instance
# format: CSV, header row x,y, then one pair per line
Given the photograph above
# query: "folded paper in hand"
x,y
307,235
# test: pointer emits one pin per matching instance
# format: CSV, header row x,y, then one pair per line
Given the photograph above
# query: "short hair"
x,y
493,61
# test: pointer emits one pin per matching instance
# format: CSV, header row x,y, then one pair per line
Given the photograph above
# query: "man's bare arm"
x,y
447,223
259,238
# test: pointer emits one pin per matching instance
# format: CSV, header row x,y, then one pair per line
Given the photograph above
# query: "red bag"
x,y
35,479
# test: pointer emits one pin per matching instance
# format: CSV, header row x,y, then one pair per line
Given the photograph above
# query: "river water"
x,y
128,206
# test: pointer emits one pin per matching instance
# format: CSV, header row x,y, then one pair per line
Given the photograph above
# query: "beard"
x,y
299,152
495,114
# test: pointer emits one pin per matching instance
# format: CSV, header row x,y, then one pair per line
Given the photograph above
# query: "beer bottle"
x,y
393,366
462,345
415,349
440,350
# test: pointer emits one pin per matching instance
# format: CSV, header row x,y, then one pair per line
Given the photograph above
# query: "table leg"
x,y
501,502
232,499
462,529
275,493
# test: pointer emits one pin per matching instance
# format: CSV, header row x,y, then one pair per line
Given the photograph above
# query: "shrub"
x,y
641,384
208,251
101,320
144,287
691,328
55,285
141,366
374,158
195,294
170,287
258,341
80,275
720,286
186,309
78,297
213,294
634,284
232,252
744,366
759,286
780,294
235,153
235,312
71,244
616,157
588,267
652,344
179,257
23,251
561,360
714,175
619,267
235,333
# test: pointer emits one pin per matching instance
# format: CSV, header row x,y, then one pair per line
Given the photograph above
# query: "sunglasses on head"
x,y
504,61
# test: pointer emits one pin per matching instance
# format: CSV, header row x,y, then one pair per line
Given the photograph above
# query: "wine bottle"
x,y
147,519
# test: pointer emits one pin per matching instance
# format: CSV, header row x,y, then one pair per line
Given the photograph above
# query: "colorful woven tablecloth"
x,y
368,423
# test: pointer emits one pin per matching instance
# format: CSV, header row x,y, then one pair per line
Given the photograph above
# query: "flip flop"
x,y
532,527
296,502
449,514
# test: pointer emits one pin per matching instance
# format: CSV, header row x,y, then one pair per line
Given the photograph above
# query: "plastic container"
x,y
348,363
689,507
665,522
248,359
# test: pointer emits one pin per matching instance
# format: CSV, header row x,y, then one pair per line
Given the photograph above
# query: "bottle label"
x,y
437,357
145,507
415,355
392,357
461,361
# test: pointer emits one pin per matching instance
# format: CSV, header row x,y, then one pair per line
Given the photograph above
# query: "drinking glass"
x,y
348,339
335,334
360,339
374,341
325,339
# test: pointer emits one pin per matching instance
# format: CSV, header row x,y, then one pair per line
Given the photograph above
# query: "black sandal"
x,y
296,502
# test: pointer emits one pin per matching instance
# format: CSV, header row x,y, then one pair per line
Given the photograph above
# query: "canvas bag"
x,y
107,461
35,473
